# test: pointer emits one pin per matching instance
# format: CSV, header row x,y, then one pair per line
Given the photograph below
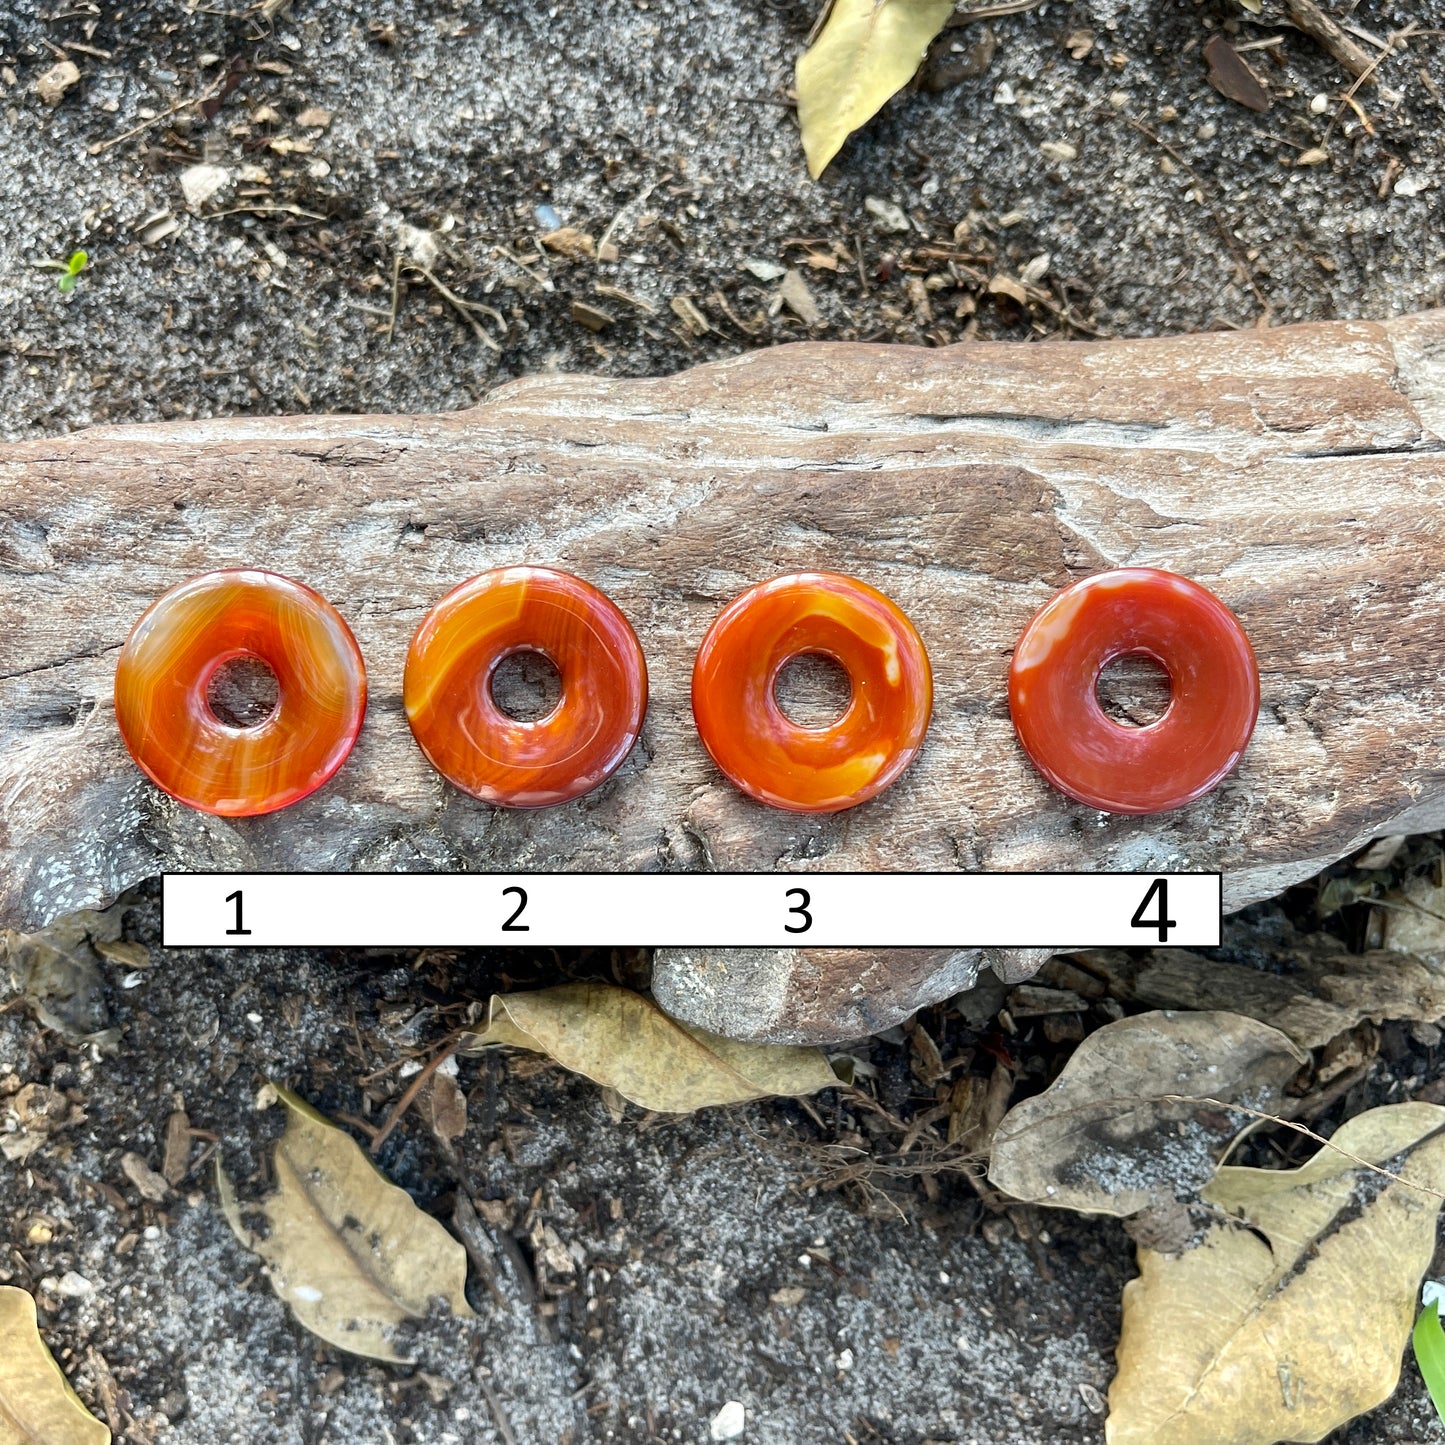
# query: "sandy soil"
x,y
456,134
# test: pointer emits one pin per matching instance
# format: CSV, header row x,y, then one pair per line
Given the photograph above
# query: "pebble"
x,y
844,1360
548,218
200,183
889,213
74,1286
729,1422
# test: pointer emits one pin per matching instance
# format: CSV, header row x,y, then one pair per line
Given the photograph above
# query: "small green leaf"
x,y
66,282
1429,1342
77,262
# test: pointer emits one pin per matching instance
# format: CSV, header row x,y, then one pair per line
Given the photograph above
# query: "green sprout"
x,y
1429,1342
71,270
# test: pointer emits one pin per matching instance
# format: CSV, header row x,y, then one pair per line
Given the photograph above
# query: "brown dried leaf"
x,y
1231,77
622,1040
1105,1138
37,1405
1293,1320
348,1251
1312,990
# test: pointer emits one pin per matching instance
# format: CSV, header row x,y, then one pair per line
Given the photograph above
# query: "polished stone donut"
x,y
812,769
176,648
471,741
1213,681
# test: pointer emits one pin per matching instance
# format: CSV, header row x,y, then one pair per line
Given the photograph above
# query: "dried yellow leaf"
x,y
867,52
348,1251
37,1405
623,1041
1240,1341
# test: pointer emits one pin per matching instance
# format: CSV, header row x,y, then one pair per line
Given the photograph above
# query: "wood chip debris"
x,y
149,1184
794,294
571,242
684,308
594,318
52,86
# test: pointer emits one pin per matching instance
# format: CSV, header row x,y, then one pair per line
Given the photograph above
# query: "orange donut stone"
x,y
471,741
808,769
175,649
1214,690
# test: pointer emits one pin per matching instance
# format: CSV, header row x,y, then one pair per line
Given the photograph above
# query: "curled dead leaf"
x,y
868,51
347,1250
621,1040
37,1405
1115,1132
1290,1318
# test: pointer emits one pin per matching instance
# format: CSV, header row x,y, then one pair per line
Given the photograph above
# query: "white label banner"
x,y
690,910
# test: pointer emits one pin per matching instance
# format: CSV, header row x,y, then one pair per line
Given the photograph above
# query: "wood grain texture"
x,y
1299,472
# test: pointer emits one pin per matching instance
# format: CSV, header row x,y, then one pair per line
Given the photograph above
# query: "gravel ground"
x,y
362,143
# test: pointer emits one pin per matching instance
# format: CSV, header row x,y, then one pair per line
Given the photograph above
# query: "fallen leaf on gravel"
x,y
1104,1137
622,1040
37,1405
867,51
348,1251
1291,1321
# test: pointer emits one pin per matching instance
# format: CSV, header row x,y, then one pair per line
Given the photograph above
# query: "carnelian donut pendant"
x,y
1214,690
176,648
471,741
805,769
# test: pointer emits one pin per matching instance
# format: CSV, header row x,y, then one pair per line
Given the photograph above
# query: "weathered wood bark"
x,y
1299,472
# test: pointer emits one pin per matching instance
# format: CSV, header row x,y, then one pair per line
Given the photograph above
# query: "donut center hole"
x,y
526,686
1134,690
243,692
813,691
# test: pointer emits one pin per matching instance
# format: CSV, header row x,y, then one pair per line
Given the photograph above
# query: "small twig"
x,y
495,1406
475,1242
1219,221
993,11
101,146
541,282
395,294
413,1089
463,308
1321,27
1349,97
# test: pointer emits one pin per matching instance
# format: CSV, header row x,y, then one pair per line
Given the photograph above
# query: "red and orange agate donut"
x,y
1214,690
173,652
806,769
471,741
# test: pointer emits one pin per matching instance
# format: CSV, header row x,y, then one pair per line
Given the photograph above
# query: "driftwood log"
x,y
1299,472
